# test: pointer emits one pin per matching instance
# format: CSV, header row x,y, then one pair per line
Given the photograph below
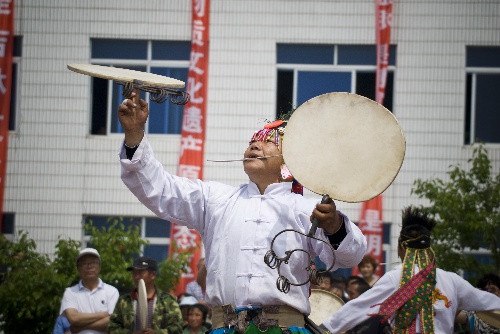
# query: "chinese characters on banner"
x,y
6,52
383,22
371,223
193,130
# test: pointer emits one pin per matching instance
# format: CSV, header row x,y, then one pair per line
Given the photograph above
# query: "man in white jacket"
x,y
418,298
237,225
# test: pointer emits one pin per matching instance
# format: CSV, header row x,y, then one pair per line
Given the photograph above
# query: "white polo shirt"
x,y
101,299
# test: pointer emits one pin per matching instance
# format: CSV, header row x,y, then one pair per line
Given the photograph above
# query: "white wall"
x,y
57,172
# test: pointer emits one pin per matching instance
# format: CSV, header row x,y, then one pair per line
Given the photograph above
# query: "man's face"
x,y
145,274
262,169
89,267
352,291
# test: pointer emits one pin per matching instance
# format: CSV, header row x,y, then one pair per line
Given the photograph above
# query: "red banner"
x,y
371,223
193,126
383,23
6,54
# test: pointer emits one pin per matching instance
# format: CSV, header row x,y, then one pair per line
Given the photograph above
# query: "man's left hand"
x,y
327,216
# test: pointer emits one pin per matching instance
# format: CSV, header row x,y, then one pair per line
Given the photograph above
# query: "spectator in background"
x,y
338,286
163,311
356,288
184,305
353,281
325,283
367,268
89,304
62,326
197,320
194,288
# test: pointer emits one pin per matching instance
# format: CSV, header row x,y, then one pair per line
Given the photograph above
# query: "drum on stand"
x,y
323,305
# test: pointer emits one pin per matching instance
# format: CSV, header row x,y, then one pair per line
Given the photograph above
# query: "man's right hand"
x,y
133,114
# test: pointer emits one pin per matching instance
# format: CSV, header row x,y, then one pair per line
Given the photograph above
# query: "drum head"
x,y
323,305
125,75
344,145
142,300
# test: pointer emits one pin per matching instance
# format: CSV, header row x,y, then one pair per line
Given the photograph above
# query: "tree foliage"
x,y
467,208
32,285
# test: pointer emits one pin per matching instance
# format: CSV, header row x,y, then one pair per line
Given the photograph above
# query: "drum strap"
x,y
282,316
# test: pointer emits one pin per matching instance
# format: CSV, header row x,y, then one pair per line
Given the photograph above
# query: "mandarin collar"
x,y
272,190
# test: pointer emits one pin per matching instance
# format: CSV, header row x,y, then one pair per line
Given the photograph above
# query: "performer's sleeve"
x,y
472,299
356,311
170,197
352,246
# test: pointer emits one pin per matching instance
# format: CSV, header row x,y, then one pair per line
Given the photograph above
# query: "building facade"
x,y
63,167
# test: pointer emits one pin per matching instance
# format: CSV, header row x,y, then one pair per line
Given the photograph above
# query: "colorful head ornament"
x,y
275,131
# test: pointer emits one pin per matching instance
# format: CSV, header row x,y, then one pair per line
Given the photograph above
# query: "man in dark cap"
x,y
164,314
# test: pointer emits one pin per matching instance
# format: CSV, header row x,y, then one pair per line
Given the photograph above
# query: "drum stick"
x,y
315,222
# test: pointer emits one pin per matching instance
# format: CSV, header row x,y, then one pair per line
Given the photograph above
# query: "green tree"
x,y
118,247
467,208
171,269
30,293
32,285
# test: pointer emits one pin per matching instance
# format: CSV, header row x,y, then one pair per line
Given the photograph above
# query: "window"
x,y
309,70
16,61
168,58
154,230
482,115
8,225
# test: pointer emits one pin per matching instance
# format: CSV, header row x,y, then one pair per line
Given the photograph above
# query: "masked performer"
x,y
418,298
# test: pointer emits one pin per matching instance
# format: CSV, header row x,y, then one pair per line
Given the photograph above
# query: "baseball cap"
x,y
143,262
88,251
188,300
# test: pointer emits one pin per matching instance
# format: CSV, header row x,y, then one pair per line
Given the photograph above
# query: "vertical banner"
x,y
193,130
383,23
6,54
371,223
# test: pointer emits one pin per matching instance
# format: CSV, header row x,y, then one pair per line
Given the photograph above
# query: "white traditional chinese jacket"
x,y
237,225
